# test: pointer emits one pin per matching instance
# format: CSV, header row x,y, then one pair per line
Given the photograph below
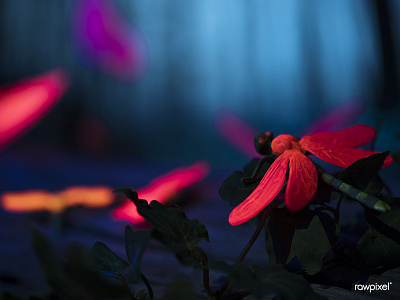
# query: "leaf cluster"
x,y
172,228
307,236
73,277
273,280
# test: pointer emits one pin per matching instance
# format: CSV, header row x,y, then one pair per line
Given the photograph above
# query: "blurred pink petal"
x,y
26,102
336,118
105,39
236,132
162,189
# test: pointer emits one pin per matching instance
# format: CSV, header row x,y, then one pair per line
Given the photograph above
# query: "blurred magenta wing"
x,y
236,131
266,191
302,183
26,102
352,137
104,38
336,118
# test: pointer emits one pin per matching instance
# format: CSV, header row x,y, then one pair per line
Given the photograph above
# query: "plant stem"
x,y
325,207
206,271
253,239
337,212
126,286
226,286
148,285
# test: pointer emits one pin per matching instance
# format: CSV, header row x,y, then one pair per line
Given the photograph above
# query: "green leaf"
x,y
374,250
74,277
181,289
389,199
363,173
387,223
269,281
234,191
396,156
310,246
380,246
307,234
53,268
135,245
107,261
280,229
171,227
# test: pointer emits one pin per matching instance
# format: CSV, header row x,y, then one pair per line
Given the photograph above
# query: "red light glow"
x,y
162,189
24,103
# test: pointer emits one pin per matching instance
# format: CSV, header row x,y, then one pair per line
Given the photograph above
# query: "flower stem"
x,y
206,271
253,239
226,288
148,285
126,286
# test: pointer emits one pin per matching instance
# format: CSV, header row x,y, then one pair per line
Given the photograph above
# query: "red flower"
x,y
337,148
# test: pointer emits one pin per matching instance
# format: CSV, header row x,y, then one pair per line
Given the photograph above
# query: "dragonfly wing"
x,y
266,191
342,157
352,137
302,183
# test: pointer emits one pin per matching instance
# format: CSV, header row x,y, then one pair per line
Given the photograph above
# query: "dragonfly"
x,y
262,144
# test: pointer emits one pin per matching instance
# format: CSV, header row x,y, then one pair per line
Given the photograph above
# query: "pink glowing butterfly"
x,y
337,148
26,102
162,189
103,38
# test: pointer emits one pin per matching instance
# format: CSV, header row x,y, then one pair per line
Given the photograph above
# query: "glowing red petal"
x,y
352,137
302,183
237,132
265,192
23,104
336,118
162,189
105,39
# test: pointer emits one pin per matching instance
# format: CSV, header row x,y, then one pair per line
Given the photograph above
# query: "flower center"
x,y
284,142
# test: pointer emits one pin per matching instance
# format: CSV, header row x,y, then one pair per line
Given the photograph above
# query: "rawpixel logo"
x,y
372,287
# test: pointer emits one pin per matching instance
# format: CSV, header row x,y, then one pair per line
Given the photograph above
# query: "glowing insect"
x,y
286,152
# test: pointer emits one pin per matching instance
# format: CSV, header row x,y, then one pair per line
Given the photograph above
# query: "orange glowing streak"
x,y
24,103
162,189
39,200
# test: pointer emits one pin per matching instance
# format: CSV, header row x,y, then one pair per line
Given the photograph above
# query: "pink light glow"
x,y
241,134
162,189
336,118
237,132
106,40
24,103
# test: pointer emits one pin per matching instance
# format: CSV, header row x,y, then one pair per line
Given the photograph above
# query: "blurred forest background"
x,y
276,64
